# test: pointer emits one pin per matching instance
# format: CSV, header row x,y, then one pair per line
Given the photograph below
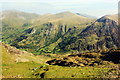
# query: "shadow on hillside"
x,y
112,55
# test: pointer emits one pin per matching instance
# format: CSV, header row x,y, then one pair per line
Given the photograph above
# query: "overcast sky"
x,y
96,8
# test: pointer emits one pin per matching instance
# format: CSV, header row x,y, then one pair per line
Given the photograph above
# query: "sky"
x,y
95,8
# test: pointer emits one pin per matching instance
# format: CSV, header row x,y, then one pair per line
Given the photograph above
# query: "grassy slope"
x,y
35,69
65,18
16,65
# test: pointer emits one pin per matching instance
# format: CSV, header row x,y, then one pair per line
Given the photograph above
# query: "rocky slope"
x,y
100,35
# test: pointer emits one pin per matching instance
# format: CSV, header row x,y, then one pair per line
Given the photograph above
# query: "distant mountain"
x,y
88,16
65,18
16,18
13,22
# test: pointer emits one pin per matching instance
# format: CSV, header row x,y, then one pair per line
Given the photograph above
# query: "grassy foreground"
x,y
32,68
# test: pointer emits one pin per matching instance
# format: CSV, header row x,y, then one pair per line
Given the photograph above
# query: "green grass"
x,y
72,72
19,70
16,66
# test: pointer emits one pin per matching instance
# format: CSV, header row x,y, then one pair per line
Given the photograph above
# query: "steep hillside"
x,y
101,35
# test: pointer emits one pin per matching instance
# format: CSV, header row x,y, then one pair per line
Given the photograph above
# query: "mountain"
x,y
14,22
88,16
106,30
44,31
16,18
65,18
113,17
100,35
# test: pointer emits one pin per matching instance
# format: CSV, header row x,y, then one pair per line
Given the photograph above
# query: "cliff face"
x,y
102,34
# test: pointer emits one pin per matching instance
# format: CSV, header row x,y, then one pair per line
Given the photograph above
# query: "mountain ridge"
x,y
65,31
85,15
